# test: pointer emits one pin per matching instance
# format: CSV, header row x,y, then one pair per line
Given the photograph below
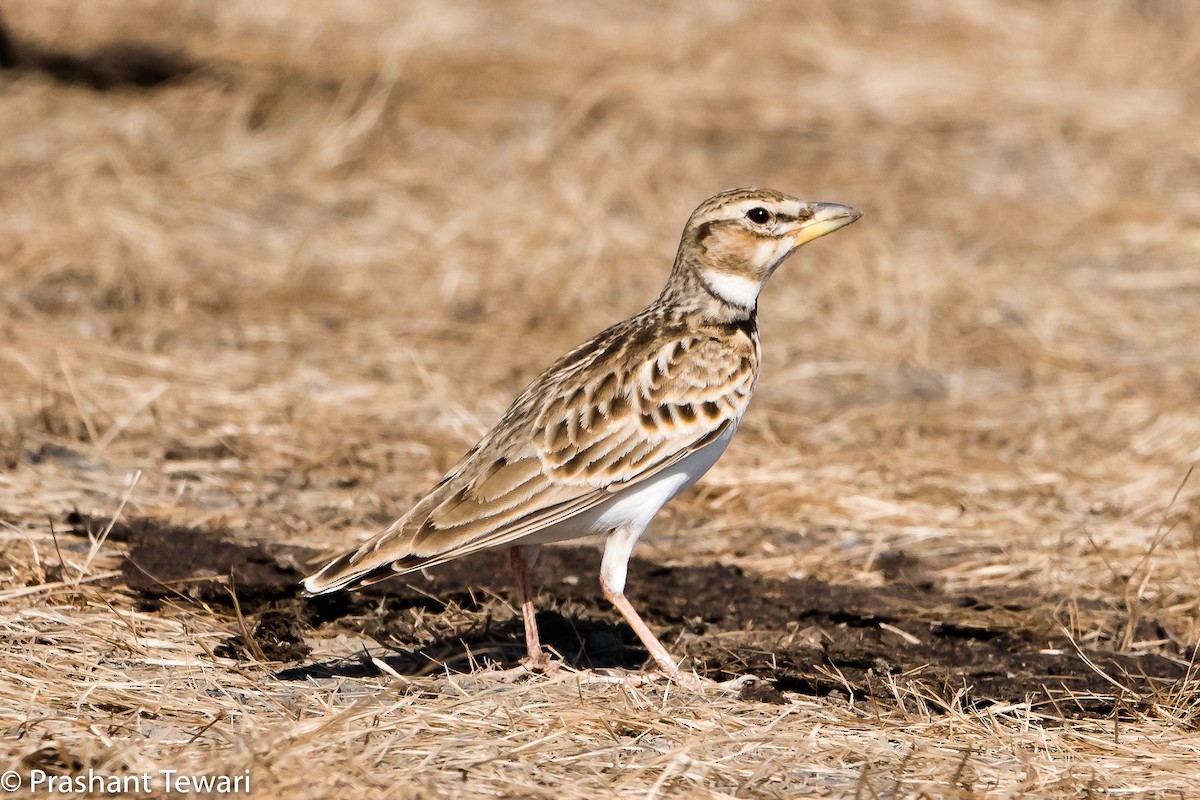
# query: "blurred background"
x,y
290,258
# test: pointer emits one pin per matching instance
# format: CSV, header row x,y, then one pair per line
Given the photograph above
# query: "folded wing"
x,y
595,424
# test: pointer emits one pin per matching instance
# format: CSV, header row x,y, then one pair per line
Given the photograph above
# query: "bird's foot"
x,y
543,665
686,680
696,683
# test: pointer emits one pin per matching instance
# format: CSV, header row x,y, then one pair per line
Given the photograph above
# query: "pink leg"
x,y
660,654
519,557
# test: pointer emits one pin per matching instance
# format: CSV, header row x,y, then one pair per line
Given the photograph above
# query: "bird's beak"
x,y
826,218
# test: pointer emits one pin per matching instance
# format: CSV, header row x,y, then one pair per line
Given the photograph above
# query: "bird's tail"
x,y
383,557
361,567
336,575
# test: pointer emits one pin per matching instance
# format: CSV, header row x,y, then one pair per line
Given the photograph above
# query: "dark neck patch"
x,y
747,324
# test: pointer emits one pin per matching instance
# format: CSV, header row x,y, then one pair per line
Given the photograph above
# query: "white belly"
x,y
636,506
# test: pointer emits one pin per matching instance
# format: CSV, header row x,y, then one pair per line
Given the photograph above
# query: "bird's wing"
x,y
596,423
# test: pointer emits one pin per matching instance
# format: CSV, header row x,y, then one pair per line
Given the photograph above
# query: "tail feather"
x,y
363,567
352,571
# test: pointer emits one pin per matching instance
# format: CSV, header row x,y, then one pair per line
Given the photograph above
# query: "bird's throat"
x,y
736,290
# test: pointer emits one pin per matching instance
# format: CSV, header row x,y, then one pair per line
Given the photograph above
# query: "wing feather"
x,y
593,425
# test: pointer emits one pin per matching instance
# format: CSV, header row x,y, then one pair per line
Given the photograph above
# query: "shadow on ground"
x,y
899,640
116,65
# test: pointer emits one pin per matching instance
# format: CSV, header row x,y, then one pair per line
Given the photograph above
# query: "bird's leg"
x,y
665,662
613,570
522,557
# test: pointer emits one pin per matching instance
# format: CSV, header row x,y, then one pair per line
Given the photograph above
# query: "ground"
x,y
268,270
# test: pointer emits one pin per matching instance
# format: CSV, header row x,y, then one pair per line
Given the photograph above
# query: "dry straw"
x,y
292,288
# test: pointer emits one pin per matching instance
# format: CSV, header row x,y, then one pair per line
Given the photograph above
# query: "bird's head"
x,y
736,239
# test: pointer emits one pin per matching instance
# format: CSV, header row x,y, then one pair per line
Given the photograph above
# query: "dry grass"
x,y
292,290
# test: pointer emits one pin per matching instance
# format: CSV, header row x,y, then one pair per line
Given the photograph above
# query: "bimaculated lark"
x,y
616,427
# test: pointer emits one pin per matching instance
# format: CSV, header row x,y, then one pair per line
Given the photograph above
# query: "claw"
x,y
686,680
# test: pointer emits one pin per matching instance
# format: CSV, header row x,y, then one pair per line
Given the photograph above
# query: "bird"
x,y
614,429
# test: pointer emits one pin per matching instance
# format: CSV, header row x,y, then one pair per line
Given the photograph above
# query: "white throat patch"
x,y
741,290
737,290
769,255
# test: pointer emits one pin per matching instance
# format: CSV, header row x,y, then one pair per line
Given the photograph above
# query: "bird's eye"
x,y
758,215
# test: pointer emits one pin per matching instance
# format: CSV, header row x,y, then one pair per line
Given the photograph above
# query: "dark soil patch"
x,y
805,636
112,66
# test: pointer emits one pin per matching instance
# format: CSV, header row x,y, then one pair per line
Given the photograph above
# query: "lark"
x,y
615,428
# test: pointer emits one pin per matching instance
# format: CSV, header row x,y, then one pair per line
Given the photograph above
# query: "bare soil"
x,y
808,636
